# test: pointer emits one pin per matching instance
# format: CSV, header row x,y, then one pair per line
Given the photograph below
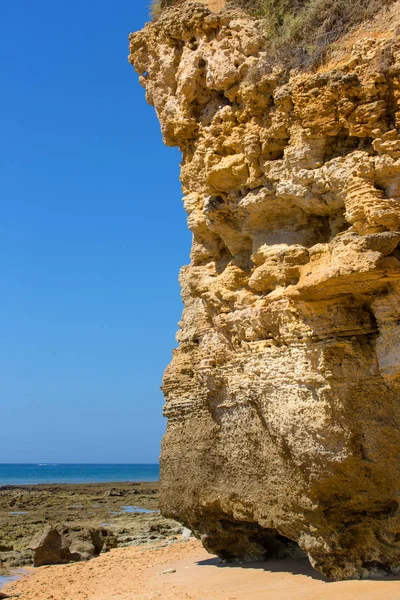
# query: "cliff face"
x,y
283,397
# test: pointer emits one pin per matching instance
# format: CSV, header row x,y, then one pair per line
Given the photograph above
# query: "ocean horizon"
x,y
35,473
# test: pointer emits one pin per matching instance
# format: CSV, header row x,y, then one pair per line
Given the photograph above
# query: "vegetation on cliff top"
x,y
300,31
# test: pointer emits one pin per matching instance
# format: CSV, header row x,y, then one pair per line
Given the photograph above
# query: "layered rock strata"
x,y
283,398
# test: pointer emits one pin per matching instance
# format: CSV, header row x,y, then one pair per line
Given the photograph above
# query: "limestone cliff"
x,y
283,397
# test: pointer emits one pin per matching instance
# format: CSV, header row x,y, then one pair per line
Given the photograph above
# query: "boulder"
x,y
83,543
57,545
47,548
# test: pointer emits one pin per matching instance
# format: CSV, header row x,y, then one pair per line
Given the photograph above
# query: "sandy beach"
x,y
145,574
146,549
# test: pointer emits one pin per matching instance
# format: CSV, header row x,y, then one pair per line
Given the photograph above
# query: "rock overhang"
x,y
282,399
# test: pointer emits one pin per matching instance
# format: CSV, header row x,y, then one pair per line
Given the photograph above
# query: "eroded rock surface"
x,y
60,544
283,396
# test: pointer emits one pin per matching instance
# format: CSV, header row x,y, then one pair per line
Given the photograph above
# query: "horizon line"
x,y
74,463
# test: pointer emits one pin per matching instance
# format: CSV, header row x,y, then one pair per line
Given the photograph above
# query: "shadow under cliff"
x,y
294,566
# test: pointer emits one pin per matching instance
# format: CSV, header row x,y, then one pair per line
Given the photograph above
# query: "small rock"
x,y
177,530
186,533
114,492
168,571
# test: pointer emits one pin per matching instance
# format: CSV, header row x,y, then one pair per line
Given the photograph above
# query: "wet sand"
x,y
137,574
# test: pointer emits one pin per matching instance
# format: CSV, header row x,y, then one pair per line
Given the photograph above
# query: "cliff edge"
x,y
282,399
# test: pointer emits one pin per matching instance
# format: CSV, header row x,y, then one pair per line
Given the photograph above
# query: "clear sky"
x,y
92,236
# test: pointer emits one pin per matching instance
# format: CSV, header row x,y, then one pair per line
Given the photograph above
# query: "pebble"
x,y
168,572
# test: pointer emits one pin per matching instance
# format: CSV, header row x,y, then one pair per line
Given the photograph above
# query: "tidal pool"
x,y
12,576
136,509
131,509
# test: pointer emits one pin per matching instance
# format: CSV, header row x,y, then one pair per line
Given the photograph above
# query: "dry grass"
x,y
157,6
300,31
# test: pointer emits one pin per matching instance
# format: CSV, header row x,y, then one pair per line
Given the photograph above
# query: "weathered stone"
x,y
57,545
114,492
283,397
82,543
47,548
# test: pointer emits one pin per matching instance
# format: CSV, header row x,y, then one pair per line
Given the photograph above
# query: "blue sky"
x,y
92,236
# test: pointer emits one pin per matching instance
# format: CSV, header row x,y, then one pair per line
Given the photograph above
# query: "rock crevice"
x,y
283,396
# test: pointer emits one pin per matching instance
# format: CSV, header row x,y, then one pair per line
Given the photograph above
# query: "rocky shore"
x,y
90,518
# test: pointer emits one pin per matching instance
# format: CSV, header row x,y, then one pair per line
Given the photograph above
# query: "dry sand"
x,y
137,574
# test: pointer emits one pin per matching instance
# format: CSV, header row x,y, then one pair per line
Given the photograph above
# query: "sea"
x,y
20,474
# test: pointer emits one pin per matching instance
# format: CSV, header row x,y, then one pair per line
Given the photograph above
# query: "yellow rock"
x,y
283,398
